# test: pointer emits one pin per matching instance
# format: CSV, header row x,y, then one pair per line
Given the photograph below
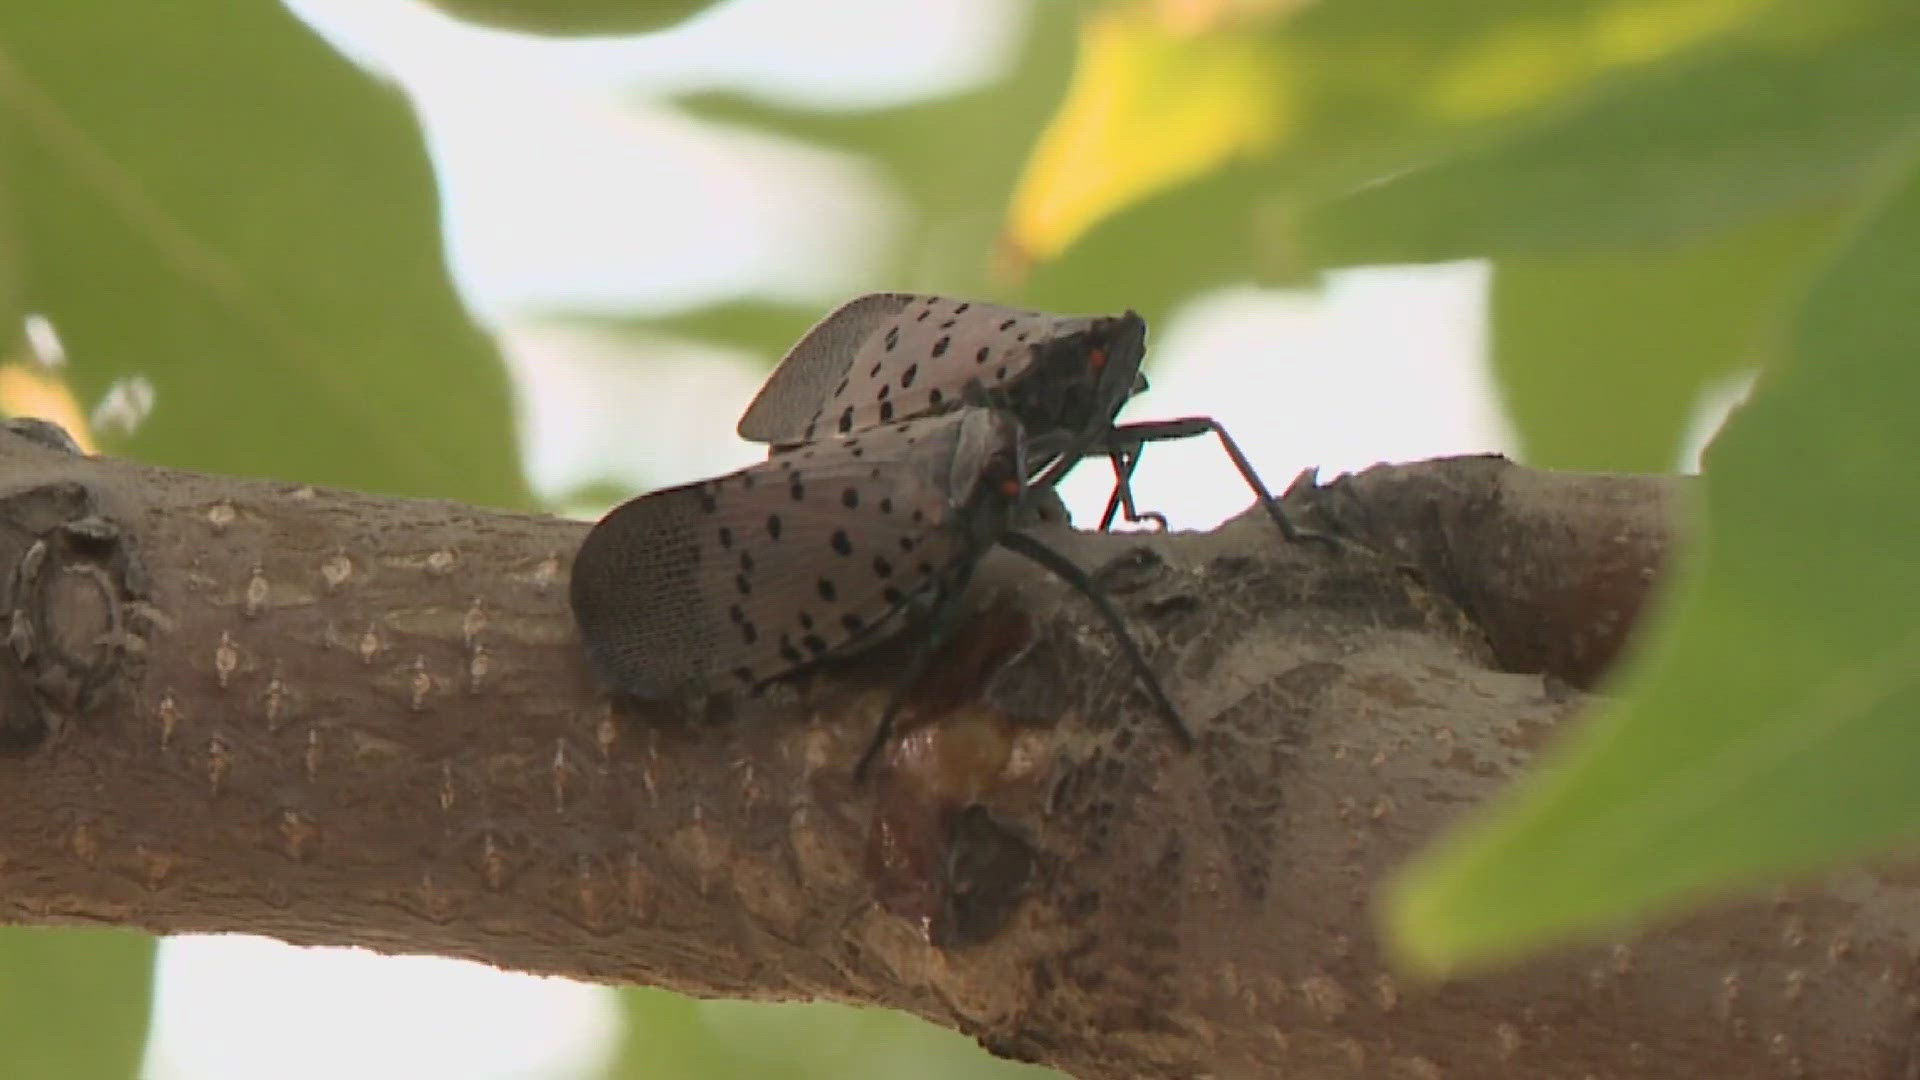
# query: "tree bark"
x,y
336,718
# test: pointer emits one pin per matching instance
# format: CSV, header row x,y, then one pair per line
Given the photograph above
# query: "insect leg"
x,y
1135,435
930,631
1125,460
1064,568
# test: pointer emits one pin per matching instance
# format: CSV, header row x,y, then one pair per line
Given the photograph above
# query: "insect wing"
x,y
730,582
806,376
922,363
892,357
639,592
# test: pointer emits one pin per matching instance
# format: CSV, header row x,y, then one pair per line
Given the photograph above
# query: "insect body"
x,y
817,553
893,356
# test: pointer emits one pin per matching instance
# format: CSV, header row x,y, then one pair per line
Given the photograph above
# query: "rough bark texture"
x,y
342,719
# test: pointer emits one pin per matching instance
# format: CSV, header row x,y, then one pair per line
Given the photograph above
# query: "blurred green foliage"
x,y
1602,356
670,1037
1770,726
74,1003
574,18
203,195
255,231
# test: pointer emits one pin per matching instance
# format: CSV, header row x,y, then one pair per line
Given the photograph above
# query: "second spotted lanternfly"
x,y
820,552
895,356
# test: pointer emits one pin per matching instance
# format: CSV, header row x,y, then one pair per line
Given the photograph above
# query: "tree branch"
x,y
342,719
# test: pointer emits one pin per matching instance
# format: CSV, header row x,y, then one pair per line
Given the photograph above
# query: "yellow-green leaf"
x,y
1149,107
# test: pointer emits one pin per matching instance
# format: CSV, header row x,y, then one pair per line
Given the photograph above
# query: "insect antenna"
x,y
1064,568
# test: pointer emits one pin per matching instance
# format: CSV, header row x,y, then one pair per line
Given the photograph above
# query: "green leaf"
x,y
1358,90
74,1003
1784,116
671,1037
1770,725
1168,248
663,1038
574,18
253,229
1603,357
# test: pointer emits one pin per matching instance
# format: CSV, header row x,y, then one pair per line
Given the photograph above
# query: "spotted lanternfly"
x,y
894,356
817,553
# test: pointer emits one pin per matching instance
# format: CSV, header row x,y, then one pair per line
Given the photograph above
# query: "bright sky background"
x,y
564,188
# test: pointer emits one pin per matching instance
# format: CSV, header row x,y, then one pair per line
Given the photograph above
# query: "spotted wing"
x,y
922,361
807,375
729,582
878,361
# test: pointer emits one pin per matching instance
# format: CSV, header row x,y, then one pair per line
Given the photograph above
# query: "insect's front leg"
x,y
1128,440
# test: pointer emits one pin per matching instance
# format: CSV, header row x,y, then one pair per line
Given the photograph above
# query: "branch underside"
x,y
340,719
